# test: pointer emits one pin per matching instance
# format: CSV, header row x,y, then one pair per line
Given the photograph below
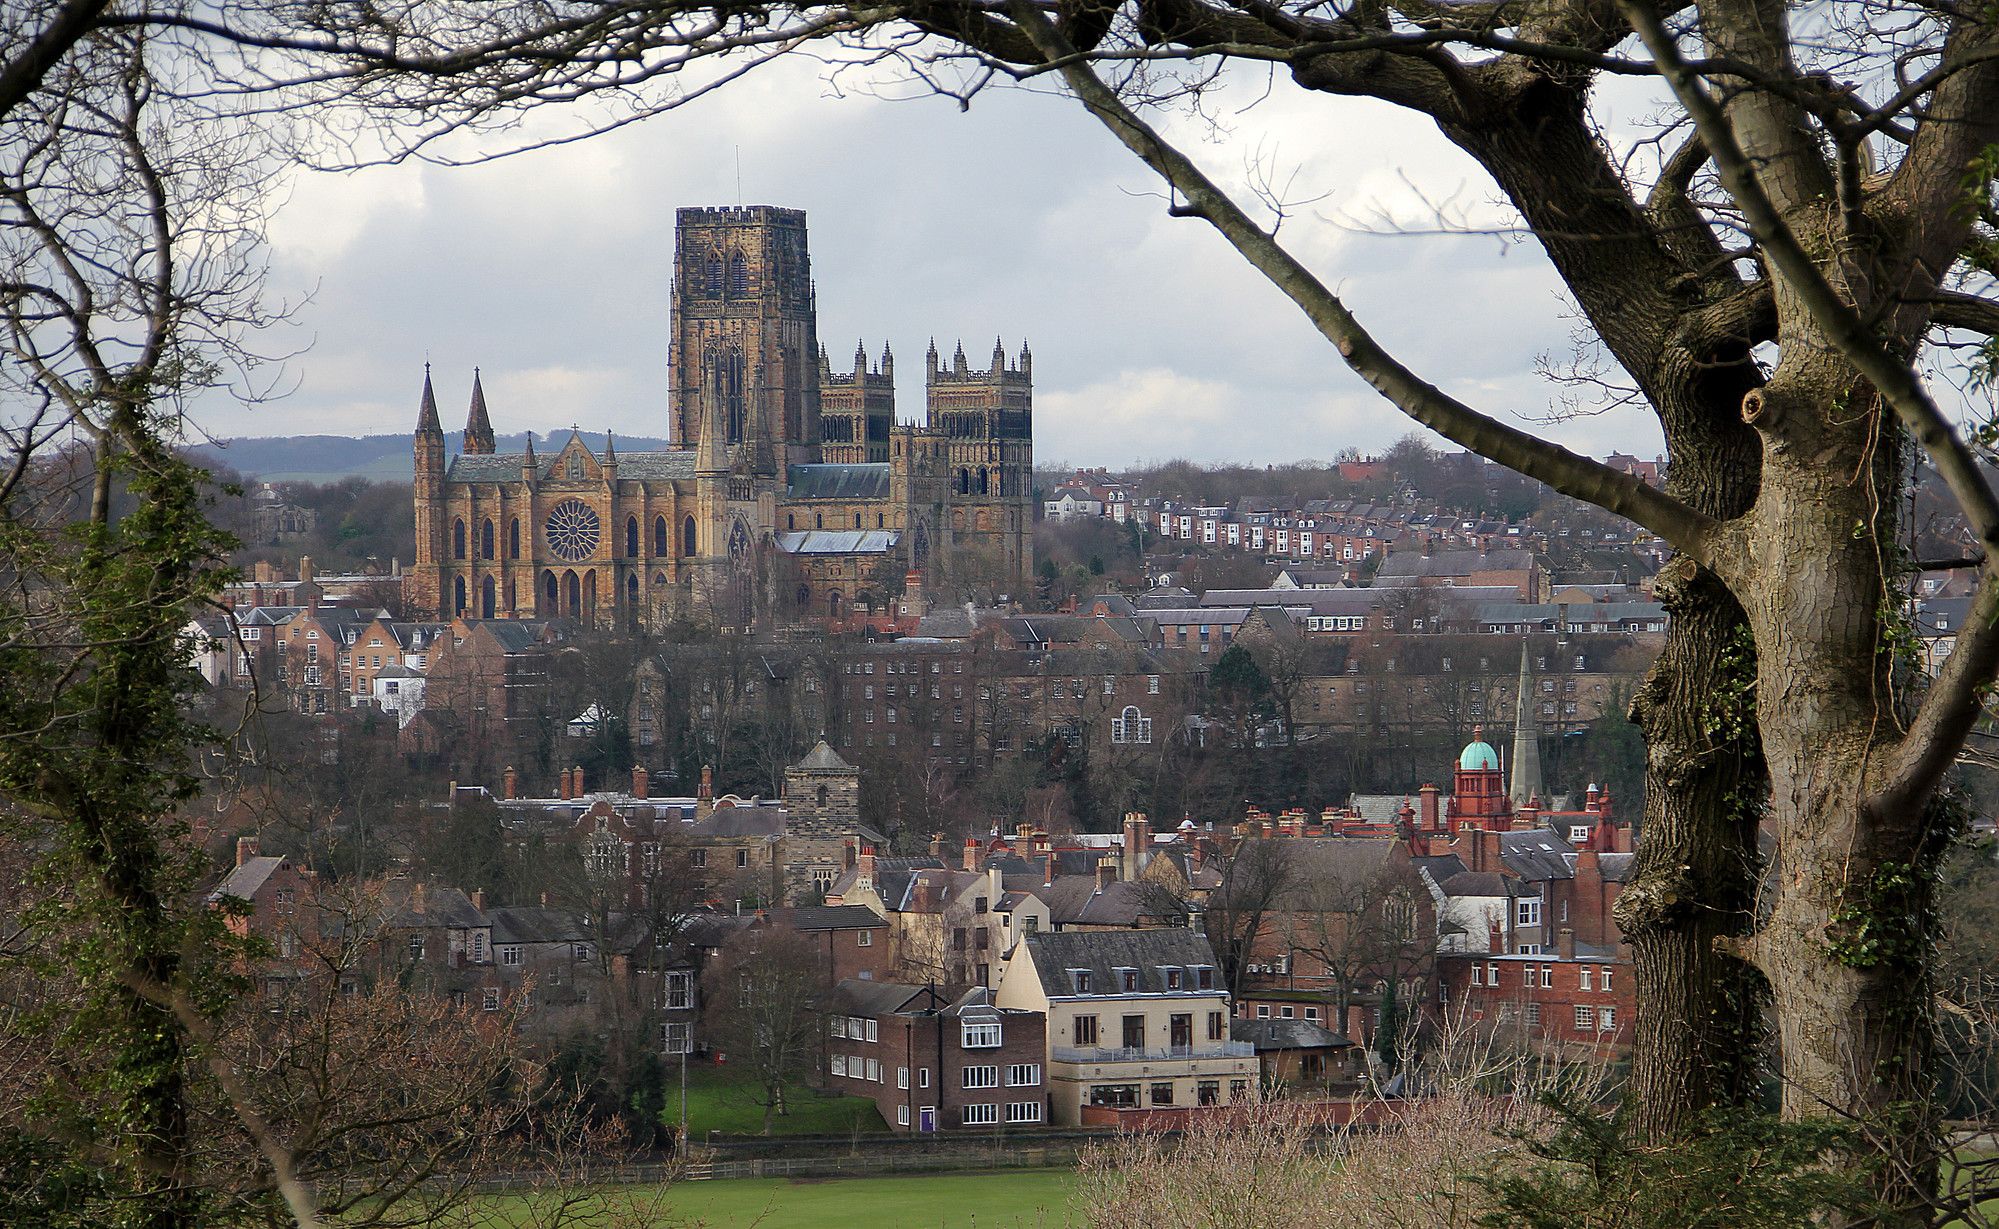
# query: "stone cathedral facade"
x,y
792,491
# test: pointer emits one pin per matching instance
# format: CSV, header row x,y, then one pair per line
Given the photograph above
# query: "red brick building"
x,y
936,1064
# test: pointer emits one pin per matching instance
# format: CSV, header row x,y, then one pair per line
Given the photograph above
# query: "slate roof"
x,y
1104,951
1537,853
678,463
1454,562
244,881
829,481
1478,883
873,998
834,917
1075,900
822,758
1616,867
838,542
506,466
1276,1034
532,924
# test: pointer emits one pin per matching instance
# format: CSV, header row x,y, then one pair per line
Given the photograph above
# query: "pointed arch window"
x,y
514,538
687,536
713,284
739,275
489,598
458,540
631,537
659,542
458,595
632,590
486,539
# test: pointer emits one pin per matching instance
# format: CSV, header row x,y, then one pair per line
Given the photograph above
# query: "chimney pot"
x,y
479,899
246,849
510,783
641,781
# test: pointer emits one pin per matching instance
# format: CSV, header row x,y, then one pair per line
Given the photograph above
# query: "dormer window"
x,y
1081,979
1175,979
1128,980
1204,979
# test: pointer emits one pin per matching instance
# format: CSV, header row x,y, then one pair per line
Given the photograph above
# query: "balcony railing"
x,y
1159,1054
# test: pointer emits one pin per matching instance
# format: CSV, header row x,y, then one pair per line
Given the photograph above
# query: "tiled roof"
x,y
822,758
506,466
1278,1034
245,880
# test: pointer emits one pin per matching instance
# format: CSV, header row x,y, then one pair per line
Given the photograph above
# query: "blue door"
x,y
926,1118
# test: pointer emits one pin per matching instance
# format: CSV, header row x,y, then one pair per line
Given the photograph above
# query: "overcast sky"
x,y
1020,218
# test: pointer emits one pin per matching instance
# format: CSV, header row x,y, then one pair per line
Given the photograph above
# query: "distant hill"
x,y
378,458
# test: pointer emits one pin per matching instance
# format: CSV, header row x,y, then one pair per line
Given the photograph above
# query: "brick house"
x,y
932,1063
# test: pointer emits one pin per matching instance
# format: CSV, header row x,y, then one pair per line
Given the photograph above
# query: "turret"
x,y
424,584
478,427
1026,359
888,362
429,433
530,468
930,360
610,458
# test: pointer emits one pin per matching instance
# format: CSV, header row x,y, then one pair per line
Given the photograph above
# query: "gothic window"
x,y
514,538
458,595
486,539
789,521
818,521
739,275
659,546
631,537
857,520
687,536
488,598
803,597
982,480
822,797
548,588
714,282
458,539
739,542
964,482
833,605
921,550
575,467
632,590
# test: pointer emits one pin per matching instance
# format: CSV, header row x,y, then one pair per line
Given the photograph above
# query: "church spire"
x,y
426,414
1525,788
478,427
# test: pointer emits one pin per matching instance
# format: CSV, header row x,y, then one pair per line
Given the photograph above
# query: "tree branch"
x,y
1953,704
1574,475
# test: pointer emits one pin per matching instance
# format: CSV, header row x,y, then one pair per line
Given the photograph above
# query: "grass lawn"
x,y
721,1099
1018,1199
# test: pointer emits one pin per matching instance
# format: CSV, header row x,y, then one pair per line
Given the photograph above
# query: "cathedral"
x,y
791,492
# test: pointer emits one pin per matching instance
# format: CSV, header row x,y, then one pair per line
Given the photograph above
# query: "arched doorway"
x,y
551,596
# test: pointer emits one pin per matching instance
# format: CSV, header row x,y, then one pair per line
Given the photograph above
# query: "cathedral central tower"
x,y
745,328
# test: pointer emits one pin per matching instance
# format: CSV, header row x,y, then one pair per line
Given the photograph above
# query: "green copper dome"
x,y
1479,757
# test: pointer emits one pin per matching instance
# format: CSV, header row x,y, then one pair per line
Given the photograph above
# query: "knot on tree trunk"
x,y
1657,899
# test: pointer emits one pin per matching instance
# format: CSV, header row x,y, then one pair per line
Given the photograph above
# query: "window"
x,y
982,1036
1217,1026
1152,684
1603,978
1606,1019
837,1027
1534,1015
1584,973
981,1077
1023,1075
1528,913
1161,1094
983,1115
837,1065
1121,1095
1174,979
1585,1019
1086,1030
874,1070
865,939
1128,980
697,857
1023,1111
902,1115
1204,979
1134,1032
489,999
902,1077
679,991
869,1027
416,947
1081,978
923,1077
1477,976
1492,974
1208,1092
510,954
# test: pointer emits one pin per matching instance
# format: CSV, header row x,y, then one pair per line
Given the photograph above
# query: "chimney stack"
x,y
1106,872
937,846
1428,795
578,770
864,871
707,790
641,781
1565,943
510,784
562,787
246,849
1137,843
479,899
972,851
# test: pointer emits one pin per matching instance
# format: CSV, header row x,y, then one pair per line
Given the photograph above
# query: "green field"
x,y
718,1099
1018,1199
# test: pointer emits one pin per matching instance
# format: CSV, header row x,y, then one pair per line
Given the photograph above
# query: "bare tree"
x,y
1256,876
762,995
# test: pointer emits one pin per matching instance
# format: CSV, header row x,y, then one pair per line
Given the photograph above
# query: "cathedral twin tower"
x,y
790,490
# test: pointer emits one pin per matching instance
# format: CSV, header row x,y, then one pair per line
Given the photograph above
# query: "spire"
x,y
999,354
1525,787
958,363
527,459
478,428
932,357
610,450
860,358
426,414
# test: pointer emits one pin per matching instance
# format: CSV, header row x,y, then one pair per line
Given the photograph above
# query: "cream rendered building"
x,y
1137,1019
